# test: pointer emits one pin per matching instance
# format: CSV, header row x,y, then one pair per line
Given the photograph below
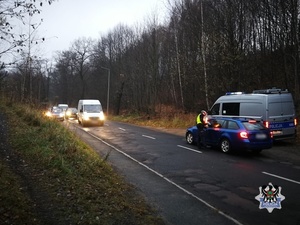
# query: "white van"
x,y
275,107
90,112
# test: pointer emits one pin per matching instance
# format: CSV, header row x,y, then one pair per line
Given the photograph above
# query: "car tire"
x,y
225,145
189,138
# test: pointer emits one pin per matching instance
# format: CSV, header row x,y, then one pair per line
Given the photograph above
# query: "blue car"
x,y
233,133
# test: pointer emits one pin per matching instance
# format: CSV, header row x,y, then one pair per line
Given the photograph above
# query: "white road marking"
x,y
120,128
86,129
149,137
169,181
280,177
190,149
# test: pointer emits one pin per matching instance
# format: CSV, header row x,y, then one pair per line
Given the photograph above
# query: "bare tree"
x,y
82,51
207,47
16,11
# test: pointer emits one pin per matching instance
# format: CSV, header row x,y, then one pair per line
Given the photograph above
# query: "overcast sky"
x,y
64,21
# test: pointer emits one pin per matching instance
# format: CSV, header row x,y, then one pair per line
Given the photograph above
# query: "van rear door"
x,y
281,115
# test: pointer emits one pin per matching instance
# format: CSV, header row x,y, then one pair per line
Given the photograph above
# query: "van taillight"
x,y
266,123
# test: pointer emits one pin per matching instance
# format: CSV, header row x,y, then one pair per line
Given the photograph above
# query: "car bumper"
x,y
58,117
93,121
71,117
255,145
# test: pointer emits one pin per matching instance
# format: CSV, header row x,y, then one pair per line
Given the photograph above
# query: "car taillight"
x,y
295,122
271,134
266,123
244,134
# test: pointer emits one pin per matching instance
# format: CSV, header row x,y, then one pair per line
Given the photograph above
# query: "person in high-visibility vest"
x,y
201,122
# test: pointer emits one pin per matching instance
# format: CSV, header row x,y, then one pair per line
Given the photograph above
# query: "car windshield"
x,y
56,110
92,108
253,126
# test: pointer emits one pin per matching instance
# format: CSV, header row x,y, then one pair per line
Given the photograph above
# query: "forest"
x,y
204,49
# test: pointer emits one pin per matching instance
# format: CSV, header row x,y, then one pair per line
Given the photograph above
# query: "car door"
x,y
214,132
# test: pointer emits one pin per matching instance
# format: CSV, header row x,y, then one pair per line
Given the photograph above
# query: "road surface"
x,y
189,186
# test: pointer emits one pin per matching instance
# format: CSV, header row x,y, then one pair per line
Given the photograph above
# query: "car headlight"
x,y
61,114
68,113
48,113
102,117
85,116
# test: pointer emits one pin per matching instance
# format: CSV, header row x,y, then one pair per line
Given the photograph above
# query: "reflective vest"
x,y
199,119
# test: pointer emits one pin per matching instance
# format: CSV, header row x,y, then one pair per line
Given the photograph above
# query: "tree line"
x,y
204,49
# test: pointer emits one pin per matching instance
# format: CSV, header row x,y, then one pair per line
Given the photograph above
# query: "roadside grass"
x,y
78,186
14,204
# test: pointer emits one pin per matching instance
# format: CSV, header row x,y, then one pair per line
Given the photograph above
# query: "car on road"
x,y
71,113
275,107
90,112
233,133
56,112
64,107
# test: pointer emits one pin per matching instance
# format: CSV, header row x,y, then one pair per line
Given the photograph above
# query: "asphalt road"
x,y
189,186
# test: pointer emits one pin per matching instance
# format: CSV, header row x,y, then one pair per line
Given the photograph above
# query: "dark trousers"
x,y
200,135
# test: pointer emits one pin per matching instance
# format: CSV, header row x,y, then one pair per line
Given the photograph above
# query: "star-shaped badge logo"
x,y
270,197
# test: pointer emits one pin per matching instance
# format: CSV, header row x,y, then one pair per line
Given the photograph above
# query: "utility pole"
x,y
108,85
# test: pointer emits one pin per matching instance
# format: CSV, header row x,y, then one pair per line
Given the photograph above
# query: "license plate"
x,y
277,132
261,136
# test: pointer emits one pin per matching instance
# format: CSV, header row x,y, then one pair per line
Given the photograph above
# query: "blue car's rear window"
x,y
253,126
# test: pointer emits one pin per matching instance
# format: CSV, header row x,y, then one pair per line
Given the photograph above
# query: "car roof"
x,y
238,118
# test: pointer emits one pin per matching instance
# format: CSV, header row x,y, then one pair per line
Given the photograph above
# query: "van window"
x,y
275,109
288,108
252,109
92,108
215,109
232,109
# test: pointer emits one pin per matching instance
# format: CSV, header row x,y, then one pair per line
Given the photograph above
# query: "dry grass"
x,y
166,117
68,181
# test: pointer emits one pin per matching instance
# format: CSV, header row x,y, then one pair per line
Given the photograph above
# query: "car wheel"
x,y
189,138
225,145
